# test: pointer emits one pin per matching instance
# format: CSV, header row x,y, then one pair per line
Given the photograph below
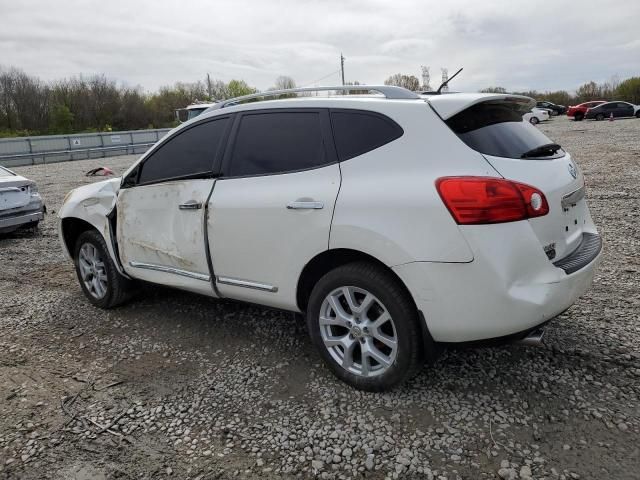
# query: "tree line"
x,y
29,106
627,90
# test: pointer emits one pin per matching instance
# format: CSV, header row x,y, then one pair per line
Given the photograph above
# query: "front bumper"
x,y
509,287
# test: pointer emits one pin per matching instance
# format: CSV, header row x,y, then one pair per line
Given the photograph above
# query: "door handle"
x,y
305,205
190,205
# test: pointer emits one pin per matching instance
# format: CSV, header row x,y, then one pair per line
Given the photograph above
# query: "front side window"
x,y
5,173
189,153
357,132
496,128
277,142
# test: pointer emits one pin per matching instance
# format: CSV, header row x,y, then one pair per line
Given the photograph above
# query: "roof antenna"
x,y
446,82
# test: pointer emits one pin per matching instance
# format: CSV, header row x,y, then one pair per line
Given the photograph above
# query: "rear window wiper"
x,y
542,151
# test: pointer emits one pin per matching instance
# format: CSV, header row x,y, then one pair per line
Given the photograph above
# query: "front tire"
x,y
365,326
599,117
578,117
534,120
99,278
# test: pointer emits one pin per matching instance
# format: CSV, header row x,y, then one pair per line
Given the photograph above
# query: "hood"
x,y
104,192
449,104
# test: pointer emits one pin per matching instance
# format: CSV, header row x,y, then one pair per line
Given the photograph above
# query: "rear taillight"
x,y
480,200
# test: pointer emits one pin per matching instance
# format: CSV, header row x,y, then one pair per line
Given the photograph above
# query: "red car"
x,y
579,111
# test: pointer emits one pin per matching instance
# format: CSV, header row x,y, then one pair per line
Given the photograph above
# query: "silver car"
x,y
20,202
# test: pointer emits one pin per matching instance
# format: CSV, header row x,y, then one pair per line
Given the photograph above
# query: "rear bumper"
x,y
509,287
18,219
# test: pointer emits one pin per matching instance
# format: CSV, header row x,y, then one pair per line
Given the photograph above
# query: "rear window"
x,y
357,132
497,128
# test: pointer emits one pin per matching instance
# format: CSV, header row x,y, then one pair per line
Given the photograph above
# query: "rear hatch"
x,y
14,191
517,150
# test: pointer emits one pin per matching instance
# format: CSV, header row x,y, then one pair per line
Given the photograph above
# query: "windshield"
x,y
194,112
497,128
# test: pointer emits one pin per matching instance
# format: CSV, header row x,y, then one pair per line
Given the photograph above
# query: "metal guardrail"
x,y
60,148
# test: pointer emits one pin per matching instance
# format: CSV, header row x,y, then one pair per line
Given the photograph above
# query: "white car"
x,y
192,111
395,222
536,115
20,202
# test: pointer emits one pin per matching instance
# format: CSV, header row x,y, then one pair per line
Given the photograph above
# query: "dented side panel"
x,y
154,231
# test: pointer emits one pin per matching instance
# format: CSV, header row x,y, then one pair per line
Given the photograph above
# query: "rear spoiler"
x,y
448,105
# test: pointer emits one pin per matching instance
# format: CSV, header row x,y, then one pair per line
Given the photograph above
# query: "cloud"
x,y
515,44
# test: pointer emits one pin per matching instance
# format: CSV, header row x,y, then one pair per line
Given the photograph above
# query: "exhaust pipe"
x,y
533,339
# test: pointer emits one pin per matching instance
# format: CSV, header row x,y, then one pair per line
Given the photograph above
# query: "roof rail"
x,y
389,91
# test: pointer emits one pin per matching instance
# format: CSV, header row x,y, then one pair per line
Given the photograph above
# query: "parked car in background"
x,y
615,109
349,209
20,202
579,111
536,115
557,109
192,111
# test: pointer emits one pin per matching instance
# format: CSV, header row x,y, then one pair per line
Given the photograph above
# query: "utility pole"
x,y
426,79
342,67
209,89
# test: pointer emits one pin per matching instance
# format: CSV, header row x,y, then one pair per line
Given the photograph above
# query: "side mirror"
x,y
132,179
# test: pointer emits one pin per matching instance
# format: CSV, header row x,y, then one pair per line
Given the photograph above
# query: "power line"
x,y
321,78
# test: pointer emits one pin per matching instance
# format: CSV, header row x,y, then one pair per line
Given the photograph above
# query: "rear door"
x,y
624,109
519,151
162,209
271,209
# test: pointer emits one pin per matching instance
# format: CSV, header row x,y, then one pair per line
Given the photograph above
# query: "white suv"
x,y
395,222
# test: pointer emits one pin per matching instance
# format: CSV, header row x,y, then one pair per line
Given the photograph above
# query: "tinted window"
x,y
357,132
189,153
497,128
624,105
277,142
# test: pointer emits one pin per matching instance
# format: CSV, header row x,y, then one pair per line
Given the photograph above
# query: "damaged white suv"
x,y
395,222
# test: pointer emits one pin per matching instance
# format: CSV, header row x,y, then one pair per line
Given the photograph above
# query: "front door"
x,y
271,209
162,209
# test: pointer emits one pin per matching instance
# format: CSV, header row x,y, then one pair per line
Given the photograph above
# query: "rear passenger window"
x,y
277,142
189,153
357,132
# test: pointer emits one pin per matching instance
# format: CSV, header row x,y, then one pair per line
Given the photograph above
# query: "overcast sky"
x,y
537,44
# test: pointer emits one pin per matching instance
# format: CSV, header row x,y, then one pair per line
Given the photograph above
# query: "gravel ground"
x,y
175,385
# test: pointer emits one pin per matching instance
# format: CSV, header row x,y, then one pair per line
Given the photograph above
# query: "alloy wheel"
x,y
92,270
358,331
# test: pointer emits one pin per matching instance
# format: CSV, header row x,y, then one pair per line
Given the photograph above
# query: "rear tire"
x,y
378,344
578,117
534,120
99,278
638,114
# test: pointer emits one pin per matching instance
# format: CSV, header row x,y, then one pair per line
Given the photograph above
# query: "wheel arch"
x,y
333,258
71,227
328,260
